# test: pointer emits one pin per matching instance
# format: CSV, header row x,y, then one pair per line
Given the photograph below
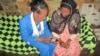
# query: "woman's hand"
x,y
65,45
68,43
45,40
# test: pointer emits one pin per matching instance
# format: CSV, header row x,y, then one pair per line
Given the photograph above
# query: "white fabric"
x,y
36,33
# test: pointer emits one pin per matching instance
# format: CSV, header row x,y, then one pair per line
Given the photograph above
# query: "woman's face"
x,y
65,11
41,15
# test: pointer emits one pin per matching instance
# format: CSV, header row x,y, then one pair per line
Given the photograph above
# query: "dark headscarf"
x,y
58,22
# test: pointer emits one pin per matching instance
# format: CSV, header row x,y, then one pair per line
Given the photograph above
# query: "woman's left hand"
x,y
65,45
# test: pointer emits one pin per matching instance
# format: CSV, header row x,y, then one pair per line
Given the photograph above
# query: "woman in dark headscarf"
x,y
65,25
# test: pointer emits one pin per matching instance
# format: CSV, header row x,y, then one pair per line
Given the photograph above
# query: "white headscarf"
x,y
36,32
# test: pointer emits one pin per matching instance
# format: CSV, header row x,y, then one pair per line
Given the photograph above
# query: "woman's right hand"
x,y
45,40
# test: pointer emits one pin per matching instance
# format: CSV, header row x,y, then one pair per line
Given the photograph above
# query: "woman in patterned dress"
x,y
65,25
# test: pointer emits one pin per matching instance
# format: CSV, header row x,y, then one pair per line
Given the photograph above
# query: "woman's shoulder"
x,y
76,11
25,17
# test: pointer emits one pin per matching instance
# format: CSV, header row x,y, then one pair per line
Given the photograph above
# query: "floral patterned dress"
x,y
73,50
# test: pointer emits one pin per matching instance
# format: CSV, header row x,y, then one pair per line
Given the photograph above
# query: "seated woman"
x,y
65,24
34,29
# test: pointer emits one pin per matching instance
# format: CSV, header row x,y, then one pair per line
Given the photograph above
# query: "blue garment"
x,y
26,30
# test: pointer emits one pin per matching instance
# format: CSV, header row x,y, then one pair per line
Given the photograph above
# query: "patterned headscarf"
x,y
58,22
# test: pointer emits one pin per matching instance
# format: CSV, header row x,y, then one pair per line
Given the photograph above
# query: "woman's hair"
x,y
38,5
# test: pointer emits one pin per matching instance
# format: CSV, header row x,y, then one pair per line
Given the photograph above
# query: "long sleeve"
x,y
25,34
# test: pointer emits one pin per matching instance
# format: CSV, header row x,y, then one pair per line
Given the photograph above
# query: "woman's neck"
x,y
35,19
